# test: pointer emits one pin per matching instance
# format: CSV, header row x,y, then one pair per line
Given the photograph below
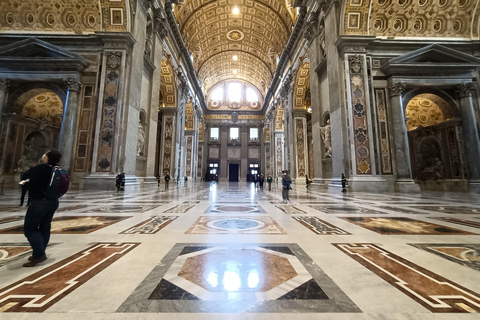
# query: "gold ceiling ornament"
x,y
249,68
302,83
407,18
79,16
259,29
168,87
45,106
427,110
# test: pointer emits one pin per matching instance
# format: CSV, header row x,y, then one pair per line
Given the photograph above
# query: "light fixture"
x,y
309,110
235,57
235,10
234,71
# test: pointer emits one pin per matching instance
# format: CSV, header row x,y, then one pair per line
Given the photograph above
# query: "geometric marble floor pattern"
x,y
228,251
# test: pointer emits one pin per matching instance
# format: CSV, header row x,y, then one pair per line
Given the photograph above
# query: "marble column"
x,y
244,151
404,181
69,121
167,151
470,133
3,99
300,146
189,145
279,143
180,141
222,175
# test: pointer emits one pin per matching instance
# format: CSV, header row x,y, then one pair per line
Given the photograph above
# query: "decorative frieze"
x,y
167,145
200,161
189,156
300,139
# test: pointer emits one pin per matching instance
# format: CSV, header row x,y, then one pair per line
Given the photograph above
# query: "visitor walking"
x,y
167,179
120,182
261,181
269,181
286,182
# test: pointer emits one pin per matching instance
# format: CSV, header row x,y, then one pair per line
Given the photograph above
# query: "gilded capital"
x,y
464,89
396,89
73,84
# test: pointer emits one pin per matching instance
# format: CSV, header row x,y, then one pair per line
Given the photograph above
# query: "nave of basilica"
x,y
214,93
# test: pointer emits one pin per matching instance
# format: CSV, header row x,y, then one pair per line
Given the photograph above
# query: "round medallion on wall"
x,y
30,18
362,152
9,18
71,19
437,25
50,18
235,35
91,20
457,25
41,98
254,104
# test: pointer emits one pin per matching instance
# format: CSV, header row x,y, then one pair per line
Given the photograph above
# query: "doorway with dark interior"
x,y
233,172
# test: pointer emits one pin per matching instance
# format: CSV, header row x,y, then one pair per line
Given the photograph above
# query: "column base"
x,y
474,186
406,186
360,184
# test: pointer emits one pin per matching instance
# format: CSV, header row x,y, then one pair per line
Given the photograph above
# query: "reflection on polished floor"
x,y
228,251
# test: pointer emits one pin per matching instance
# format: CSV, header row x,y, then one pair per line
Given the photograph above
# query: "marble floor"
x,y
228,251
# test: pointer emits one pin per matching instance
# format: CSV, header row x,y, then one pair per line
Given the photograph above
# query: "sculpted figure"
x,y
326,138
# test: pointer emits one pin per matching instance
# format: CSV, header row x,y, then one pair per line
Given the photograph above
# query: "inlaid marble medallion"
x,y
150,226
340,208
320,226
123,208
234,208
409,210
10,219
432,291
400,225
74,224
41,290
71,208
289,209
235,225
12,208
181,208
465,254
237,278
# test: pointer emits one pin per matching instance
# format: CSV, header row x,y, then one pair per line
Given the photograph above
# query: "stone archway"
x,y
434,135
31,125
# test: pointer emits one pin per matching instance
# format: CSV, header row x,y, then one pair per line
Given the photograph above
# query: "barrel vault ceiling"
x,y
215,34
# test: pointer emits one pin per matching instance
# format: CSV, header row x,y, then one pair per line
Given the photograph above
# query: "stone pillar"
x,y
3,98
189,143
69,121
470,134
222,175
279,153
244,153
404,181
180,134
167,151
300,146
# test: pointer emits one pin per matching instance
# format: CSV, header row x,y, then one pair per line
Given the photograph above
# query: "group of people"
x,y
259,180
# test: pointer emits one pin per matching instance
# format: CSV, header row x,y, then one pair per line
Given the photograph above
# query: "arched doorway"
x,y
434,135
31,125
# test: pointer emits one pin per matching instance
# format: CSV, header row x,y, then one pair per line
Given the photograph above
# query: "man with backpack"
x,y
167,179
286,182
43,192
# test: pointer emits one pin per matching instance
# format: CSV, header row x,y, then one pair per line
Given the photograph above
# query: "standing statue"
x,y
141,140
327,139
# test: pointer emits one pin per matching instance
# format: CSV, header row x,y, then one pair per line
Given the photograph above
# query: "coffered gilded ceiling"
x,y
79,16
214,34
417,18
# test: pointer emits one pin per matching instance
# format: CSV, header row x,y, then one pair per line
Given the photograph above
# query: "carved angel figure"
x,y
326,138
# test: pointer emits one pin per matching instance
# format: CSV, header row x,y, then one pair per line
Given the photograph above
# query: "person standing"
x,y
158,180
25,184
344,183
286,182
308,181
120,182
261,181
40,212
167,179
269,181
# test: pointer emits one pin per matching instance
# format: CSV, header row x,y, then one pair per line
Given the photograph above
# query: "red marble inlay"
x,y
432,291
41,290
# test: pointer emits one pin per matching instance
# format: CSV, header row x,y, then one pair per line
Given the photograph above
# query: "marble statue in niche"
x,y
141,139
327,139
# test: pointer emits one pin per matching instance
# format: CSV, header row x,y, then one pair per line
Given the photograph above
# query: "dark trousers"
x,y
24,192
37,225
269,186
261,185
285,193
166,185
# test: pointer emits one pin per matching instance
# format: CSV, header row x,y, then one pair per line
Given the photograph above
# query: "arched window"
x,y
234,91
217,94
251,95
